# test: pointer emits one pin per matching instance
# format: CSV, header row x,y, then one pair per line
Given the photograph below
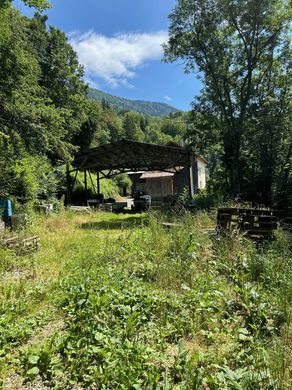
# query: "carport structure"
x,y
128,156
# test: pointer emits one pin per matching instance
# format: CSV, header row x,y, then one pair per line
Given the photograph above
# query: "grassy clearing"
x,y
118,302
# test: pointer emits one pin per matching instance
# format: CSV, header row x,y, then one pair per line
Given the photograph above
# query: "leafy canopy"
x,y
240,49
40,5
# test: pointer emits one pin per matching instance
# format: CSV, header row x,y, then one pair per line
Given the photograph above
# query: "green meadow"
x,y
119,302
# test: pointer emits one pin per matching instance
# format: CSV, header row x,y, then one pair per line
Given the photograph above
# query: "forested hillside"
x,y
141,106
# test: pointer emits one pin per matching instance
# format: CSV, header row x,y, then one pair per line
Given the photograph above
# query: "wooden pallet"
x,y
169,225
80,209
257,224
156,204
22,244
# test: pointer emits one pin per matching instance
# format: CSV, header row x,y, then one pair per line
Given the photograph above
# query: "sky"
x,y
119,44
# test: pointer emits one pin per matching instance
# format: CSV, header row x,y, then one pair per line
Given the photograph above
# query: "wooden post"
x,y
191,181
191,177
68,198
85,184
92,182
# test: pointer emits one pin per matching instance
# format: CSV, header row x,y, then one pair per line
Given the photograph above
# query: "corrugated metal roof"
x,y
127,155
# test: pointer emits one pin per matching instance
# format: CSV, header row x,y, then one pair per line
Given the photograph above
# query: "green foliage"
x,y
27,178
94,131
124,183
131,125
242,53
205,200
42,97
37,4
108,187
154,309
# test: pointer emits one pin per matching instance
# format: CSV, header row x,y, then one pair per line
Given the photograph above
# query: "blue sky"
x,y
119,43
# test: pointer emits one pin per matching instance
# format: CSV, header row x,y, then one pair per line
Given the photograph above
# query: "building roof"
x,y
156,174
127,155
202,159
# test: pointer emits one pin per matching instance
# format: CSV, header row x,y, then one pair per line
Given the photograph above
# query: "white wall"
x,y
201,167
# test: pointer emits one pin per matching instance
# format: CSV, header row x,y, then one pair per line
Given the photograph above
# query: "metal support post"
x,y
98,182
68,197
85,183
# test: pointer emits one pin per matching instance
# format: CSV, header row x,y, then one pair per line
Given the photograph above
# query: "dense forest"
x,y
240,122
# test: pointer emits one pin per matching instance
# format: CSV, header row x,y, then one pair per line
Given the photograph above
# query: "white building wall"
x,y
201,169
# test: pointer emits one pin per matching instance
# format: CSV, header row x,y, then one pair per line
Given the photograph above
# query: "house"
x,y
159,184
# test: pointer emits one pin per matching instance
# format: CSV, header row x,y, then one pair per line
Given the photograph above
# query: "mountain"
x,y
141,106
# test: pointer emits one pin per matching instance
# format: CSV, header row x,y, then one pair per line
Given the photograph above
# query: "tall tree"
x,y
94,130
131,125
36,123
234,45
61,73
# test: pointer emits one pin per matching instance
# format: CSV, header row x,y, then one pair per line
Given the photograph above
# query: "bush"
x,y
206,200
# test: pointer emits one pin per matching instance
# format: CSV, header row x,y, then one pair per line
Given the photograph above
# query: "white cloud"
x,y
167,98
92,83
116,59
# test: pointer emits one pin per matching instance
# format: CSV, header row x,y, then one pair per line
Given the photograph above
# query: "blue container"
x,y
6,208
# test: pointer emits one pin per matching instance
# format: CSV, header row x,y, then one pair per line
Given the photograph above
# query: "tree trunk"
x,y
232,160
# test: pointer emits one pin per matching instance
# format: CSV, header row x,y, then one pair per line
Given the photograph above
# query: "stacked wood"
x,y
2,228
156,204
80,209
257,224
22,244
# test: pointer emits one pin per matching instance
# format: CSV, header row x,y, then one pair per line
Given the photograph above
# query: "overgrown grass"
x,y
119,302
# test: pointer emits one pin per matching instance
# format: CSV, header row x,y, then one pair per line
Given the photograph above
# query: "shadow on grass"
x,y
131,222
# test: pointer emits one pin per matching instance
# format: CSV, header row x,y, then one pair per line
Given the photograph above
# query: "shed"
x,y
131,156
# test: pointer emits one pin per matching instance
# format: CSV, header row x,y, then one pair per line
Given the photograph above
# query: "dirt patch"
x,y
191,346
45,332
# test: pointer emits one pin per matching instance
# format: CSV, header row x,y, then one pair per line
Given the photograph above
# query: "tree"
x,y
154,135
25,111
94,130
61,73
36,122
131,125
173,127
112,122
38,4
236,46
